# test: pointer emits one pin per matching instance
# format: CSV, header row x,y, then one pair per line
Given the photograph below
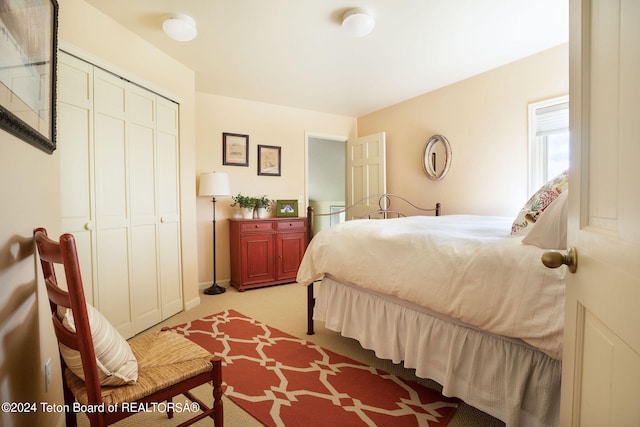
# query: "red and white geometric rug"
x,y
285,381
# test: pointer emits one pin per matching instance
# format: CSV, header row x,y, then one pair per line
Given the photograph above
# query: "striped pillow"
x,y
116,363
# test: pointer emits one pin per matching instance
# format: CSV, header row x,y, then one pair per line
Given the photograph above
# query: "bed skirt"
x,y
503,377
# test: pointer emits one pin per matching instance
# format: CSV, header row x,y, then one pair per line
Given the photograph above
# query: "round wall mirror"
x,y
437,157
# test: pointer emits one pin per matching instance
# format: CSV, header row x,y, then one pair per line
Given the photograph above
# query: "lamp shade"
x,y
358,22
181,28
214,184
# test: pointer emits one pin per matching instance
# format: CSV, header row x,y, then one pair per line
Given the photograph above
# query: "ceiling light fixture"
x,y
358,22
181,28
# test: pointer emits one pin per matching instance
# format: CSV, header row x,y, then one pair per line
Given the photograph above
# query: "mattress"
x,y
467,268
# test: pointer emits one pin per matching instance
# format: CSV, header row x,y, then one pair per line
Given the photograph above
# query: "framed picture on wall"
x,y
235,149
269,160
286,208
28,42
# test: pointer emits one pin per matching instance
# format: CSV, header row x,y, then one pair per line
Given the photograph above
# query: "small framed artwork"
x,y
235,149
286,208
28,42
268,160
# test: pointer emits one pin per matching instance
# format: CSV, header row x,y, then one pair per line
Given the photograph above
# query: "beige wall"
x,y
30,196
266,124
485,120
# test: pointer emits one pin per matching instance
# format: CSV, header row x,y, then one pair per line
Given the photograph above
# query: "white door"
x,y
75,133
168,192
601,360
112,210
366,172
141,173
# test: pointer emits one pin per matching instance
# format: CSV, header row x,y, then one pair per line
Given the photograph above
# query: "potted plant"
x,y
263,205
246,204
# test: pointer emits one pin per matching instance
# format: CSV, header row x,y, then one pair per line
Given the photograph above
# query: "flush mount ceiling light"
x,y
358,22
181,28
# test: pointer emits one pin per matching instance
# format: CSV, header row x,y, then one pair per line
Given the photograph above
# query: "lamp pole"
x,y
214,184
214,289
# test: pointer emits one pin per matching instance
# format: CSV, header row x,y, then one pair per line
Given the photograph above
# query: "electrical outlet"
x,y
47,374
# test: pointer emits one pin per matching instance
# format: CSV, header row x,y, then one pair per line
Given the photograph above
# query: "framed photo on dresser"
x,y
285,208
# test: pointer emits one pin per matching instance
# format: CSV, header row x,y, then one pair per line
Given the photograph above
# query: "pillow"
x,y
539,202
550,231
116,363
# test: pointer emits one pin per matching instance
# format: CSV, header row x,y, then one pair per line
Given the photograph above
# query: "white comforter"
x,y
467,267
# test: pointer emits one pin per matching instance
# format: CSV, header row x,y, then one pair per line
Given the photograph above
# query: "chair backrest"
x,y
64,252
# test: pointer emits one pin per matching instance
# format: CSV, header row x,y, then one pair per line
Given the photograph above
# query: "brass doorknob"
x,y
553,259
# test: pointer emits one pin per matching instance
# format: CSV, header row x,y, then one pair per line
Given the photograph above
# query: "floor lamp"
x,y
214,184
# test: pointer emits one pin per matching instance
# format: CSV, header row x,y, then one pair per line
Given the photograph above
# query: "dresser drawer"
x,y
290,225
250,226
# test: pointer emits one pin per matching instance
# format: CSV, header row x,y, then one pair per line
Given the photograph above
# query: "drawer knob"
x,y
257,226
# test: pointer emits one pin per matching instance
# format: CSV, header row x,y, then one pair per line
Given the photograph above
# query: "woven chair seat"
x,y
164,359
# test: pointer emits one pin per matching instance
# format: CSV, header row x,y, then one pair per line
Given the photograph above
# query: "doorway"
x,y
326,176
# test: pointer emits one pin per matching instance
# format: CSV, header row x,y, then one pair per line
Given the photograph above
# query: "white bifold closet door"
x,y
113,231
74,134
131,178
168,206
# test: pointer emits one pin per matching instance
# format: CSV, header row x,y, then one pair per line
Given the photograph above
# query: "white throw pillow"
x,y
116,363
536,205
550,231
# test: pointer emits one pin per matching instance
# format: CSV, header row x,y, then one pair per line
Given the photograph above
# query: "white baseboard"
x,y
188,305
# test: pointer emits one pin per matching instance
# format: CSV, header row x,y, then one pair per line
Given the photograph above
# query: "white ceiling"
x,y
294,53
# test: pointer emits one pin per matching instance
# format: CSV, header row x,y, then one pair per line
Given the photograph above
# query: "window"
x,y
548,140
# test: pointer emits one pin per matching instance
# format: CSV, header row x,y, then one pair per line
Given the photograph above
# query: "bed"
x,y
459,298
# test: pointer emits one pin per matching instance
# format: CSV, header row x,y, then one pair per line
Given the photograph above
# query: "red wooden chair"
x,y
167,364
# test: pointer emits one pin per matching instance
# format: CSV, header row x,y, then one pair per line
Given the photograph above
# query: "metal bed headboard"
x,y
384,210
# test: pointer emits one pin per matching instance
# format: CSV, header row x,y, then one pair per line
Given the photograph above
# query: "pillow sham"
x,y
550,231
117,364
536,205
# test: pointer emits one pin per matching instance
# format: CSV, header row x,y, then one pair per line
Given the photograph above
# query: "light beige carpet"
x,y
284,307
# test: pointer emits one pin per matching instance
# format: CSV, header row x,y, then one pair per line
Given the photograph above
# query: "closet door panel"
x,y
110,151
75,139
113,279
141,106
112,219
141,174
146,299
110,176
168,208
74,167
142,185
75,104
170,272
109,93
167,125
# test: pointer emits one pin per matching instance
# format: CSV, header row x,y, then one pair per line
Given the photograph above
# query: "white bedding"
x,y
503,377
467,267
